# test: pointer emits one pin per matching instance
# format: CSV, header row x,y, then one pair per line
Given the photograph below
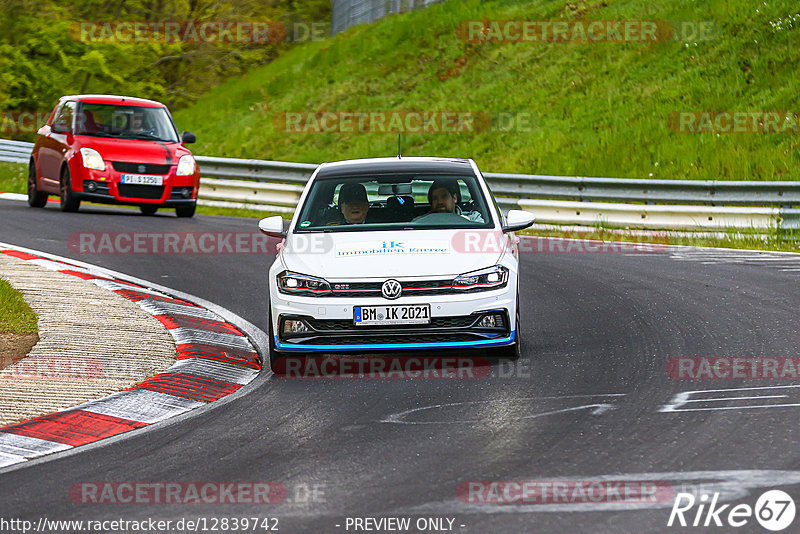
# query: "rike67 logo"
x,y
774,510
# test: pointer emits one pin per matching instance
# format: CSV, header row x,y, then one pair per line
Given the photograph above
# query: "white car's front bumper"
x,y
454,319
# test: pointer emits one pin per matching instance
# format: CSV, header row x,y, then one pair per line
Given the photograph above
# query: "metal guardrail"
x,y
347,13
650,216
15,151
714,193
276,186
276,197
255,169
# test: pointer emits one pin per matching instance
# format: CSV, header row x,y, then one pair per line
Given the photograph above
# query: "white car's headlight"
x,y
490,278
301,284
92,159
186,166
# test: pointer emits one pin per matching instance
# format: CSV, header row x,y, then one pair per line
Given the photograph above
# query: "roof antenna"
x,y
399,155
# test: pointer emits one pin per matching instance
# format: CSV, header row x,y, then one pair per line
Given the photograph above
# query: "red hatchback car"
x,y
113,150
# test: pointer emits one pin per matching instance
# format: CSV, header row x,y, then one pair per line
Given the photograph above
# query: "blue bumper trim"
x,y
395,346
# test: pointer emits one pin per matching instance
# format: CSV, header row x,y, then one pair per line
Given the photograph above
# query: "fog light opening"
x,y
488,321
91,186
294,326
492,320
187,192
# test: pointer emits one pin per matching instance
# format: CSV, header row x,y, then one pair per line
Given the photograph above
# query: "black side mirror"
x,y
188,137
60,127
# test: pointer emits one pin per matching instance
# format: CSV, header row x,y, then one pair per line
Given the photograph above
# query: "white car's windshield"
x,y
392,201
125,122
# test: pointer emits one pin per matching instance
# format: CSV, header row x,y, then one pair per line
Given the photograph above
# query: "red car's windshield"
x,y
125,122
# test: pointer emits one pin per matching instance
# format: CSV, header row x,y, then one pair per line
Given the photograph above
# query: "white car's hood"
x,y
410,253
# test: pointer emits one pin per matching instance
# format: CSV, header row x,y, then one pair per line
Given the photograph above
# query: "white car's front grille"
x,y
409,288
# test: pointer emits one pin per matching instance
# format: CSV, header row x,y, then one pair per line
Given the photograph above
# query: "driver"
x,y
137,124
443,198
353,203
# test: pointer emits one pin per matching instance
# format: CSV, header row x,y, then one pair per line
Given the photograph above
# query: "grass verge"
x,y
16,317
13,178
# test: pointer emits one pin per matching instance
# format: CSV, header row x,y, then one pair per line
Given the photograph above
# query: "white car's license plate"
x,y
142,179
411,314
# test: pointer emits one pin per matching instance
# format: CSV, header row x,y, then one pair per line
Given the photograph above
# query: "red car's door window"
x,y
54,146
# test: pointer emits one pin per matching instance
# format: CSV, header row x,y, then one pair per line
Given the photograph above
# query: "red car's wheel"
x,y
186,211
68,200
36,199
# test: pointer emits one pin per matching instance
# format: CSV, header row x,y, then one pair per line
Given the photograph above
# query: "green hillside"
x,y
592,108
50,48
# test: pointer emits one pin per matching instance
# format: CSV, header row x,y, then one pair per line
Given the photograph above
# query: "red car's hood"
x,y
135,151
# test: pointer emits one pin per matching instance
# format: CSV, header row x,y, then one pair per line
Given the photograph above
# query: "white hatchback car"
x,y
395,254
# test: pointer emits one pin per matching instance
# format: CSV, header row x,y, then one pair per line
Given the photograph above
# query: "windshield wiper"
x,y
97,134
144,136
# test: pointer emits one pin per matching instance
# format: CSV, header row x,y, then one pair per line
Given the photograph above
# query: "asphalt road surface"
x,y
590,402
